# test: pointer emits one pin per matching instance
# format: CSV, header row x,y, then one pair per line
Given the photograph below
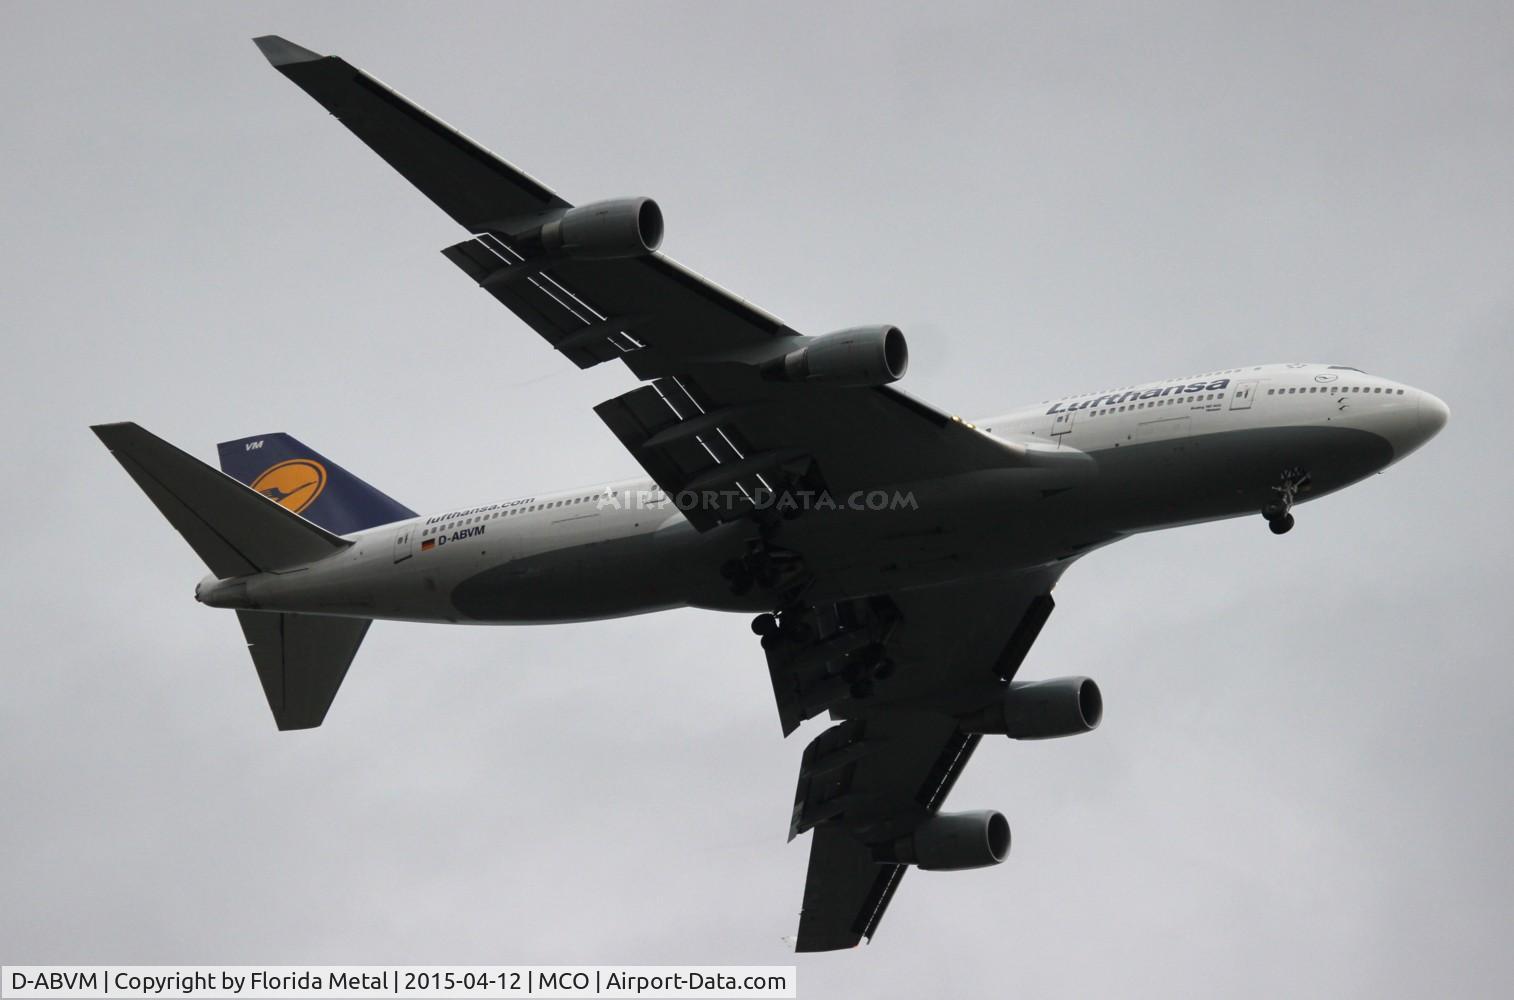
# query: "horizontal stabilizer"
x,y
283,52
301,660
234,529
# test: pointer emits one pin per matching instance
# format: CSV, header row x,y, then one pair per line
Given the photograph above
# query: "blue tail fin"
x,y
308,483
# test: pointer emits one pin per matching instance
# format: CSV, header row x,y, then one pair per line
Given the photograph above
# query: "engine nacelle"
x,y
860,357
605,230
953,841
1040,710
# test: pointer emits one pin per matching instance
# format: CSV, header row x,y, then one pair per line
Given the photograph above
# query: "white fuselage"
x,y
1164,453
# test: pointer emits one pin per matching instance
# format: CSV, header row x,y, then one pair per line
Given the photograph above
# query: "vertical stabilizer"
x,y
303,480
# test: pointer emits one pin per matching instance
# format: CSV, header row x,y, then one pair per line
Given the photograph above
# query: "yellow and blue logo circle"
x,y
293,484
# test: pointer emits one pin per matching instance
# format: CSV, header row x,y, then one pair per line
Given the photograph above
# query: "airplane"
x,y
898,560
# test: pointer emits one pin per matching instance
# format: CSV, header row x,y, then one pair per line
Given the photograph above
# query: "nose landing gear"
x,y
1279,512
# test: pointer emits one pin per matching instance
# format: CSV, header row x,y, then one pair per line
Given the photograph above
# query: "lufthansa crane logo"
x,y
294,484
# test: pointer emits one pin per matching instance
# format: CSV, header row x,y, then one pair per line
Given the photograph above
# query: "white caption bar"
x,y
483,982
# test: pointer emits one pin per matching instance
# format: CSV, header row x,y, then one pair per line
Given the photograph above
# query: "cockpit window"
x,y
1346,368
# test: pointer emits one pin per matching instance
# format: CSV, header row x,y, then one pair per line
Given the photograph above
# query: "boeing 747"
x,y
898,561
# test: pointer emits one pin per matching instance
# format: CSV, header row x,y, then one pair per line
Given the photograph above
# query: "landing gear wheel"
x,y
883,669
765,625
1278,512
861,688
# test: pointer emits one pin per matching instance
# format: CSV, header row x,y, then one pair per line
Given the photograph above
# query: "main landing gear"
x,y
841,645
765,625
1279,512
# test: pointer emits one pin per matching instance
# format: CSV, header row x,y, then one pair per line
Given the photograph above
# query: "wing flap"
x,y
575,328
699,453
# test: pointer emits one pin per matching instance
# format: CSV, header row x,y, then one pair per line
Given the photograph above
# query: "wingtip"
x,y
282,52
111,431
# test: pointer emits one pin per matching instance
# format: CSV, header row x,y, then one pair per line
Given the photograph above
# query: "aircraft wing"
x,y
707,420
891,760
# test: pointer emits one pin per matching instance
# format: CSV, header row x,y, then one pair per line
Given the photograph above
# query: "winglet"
x,y
282,52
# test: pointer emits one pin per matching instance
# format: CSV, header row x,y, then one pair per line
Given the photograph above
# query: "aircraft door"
x,y
1061,423
402,539
1241,398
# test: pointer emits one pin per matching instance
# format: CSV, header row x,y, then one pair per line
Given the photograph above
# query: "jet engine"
x,y
605,230
952,842
860,357
1039,710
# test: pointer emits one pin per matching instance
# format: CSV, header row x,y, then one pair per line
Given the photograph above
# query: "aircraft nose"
x,y
1406,417
1433,414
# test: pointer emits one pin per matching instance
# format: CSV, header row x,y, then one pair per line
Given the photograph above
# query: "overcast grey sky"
x,y
1301,786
